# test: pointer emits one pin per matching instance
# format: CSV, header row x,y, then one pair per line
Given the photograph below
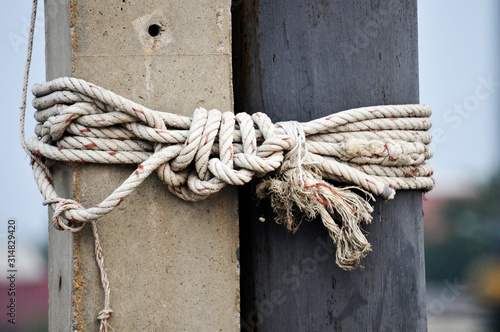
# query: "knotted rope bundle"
x,y
377,149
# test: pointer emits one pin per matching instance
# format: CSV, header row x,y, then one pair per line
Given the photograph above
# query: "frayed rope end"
x,y
297,194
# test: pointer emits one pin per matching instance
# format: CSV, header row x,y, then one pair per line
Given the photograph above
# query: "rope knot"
x,y
221,149
104,314
61,205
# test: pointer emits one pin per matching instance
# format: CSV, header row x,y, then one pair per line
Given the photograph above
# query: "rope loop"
x,y
104,314
61,205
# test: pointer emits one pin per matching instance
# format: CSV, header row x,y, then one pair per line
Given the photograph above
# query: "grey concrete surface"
x,y
172,265
58,63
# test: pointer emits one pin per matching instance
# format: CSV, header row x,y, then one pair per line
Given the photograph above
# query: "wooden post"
x,y
172,265
300,60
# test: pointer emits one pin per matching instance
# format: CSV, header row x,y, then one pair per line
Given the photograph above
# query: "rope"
x,y
376,150
99,257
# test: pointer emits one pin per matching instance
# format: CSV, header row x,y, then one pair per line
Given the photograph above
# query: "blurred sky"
x,y
458,48
19,195
459,55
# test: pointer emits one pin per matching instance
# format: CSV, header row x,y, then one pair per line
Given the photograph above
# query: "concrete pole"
x,y
172,265
300,60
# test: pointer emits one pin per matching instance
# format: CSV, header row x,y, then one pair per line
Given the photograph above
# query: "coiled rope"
x,y
376,150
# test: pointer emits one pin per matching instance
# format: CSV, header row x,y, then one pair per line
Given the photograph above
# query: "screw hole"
x,y
154,30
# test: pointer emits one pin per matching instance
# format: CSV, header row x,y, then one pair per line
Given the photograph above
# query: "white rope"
x,y
379,149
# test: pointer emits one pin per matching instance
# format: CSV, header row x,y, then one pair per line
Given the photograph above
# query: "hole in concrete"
x,y
154,30
60,283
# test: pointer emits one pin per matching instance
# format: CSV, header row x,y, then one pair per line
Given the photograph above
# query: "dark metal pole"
x,y
303,59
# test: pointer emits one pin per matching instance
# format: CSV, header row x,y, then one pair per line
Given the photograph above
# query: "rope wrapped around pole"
x,y
376,150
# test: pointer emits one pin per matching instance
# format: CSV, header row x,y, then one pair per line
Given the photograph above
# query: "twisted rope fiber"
x,y
377,149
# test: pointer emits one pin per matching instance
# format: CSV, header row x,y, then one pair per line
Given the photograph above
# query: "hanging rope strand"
x,y
47,189
26,77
